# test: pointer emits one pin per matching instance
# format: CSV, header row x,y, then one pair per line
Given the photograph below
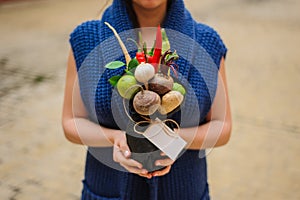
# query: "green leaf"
x,y
129,72
151,52
145,48
136,44
133,64
114,80
140,39
114,65
172,56
165,43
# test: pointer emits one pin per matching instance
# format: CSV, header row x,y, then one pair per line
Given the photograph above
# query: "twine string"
x,y
166,129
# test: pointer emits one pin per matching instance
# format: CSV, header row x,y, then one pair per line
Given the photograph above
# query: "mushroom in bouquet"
x,y
146,102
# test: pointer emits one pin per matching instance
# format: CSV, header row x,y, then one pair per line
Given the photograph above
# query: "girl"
x,y
88,118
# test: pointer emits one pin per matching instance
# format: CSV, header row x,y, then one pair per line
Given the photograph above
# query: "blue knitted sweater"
x,y
200,50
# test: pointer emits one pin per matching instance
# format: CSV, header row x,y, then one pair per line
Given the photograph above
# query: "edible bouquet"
x,y
150,92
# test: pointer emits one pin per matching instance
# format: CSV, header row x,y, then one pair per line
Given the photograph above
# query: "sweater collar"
x,y
177,18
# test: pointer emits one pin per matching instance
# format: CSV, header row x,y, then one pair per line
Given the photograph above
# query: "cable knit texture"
x,y
200,49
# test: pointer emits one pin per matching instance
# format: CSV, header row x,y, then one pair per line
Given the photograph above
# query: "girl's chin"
x,y
149,4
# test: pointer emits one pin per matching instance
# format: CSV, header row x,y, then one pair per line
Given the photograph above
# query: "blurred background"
x,y
261,161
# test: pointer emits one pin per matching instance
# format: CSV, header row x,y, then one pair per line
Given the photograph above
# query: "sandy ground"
x,y
261,160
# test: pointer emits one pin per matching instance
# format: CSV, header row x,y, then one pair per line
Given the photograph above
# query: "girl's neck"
x,y
150,18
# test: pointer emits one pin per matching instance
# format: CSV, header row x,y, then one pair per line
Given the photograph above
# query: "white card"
x,y
171,145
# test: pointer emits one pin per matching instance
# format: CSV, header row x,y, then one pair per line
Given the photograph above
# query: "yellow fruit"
x,y
170,102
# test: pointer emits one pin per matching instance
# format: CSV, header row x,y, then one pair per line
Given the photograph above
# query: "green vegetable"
x,y
179,88
125,88
114,65
133,64
165,41
123,47
114,80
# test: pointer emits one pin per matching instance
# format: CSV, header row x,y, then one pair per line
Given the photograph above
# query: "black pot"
x,y
142,150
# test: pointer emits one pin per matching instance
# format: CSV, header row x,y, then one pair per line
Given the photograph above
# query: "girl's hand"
x,y
121,154
167,163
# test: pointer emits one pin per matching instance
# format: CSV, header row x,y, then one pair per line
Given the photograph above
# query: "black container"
x,y
143,151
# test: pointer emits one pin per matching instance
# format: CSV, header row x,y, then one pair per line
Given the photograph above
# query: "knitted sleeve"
x,y
84,39
211,42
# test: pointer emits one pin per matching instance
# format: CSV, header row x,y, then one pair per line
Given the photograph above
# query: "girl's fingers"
x,y
132,163
164,162
148,175
122,159
134,169
129,164
167,163
162,172
162,154
125,149
121,154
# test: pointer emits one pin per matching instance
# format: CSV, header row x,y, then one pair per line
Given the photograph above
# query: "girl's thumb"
x,y
125,149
